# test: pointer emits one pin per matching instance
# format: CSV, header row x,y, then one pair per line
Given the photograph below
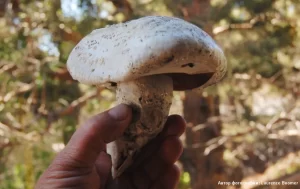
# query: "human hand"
x,y
84,164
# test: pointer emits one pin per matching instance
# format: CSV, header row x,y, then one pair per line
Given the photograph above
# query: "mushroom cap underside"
x,y
148,46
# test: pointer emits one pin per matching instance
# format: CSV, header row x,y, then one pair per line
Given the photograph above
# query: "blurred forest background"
x,y
245,129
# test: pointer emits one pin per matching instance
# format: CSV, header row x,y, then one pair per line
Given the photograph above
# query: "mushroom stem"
x,y
151,98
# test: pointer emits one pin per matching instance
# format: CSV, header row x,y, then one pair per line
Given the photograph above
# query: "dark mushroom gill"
x,y
183,81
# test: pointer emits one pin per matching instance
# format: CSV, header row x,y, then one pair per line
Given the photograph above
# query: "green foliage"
x,y
185,180
257,38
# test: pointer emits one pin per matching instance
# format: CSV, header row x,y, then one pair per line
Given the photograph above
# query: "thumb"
x,y
90,139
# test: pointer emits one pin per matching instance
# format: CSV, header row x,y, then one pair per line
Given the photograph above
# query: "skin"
x,y
84,163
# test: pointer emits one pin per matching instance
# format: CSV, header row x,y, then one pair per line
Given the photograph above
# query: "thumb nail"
x,y
120,112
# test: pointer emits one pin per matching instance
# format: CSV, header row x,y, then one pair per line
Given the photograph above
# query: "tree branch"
x,y
25,88
223,29
7,67
79,102
241,26
54,116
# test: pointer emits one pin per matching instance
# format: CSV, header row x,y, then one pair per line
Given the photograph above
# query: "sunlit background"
x,y
245,129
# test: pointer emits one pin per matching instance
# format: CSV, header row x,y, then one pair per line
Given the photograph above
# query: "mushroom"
x,y
145,60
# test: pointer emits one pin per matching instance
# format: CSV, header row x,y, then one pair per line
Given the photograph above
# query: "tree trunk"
x,y
3,6
206,168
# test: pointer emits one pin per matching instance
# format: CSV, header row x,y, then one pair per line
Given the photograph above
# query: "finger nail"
x,y
120,112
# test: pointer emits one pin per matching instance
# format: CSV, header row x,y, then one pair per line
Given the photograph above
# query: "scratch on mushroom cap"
x,y
146,46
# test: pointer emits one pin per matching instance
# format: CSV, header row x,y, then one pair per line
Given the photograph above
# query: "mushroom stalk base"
x,y
151,98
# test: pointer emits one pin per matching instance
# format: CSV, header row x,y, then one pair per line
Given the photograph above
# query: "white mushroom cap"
x,y
148,46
